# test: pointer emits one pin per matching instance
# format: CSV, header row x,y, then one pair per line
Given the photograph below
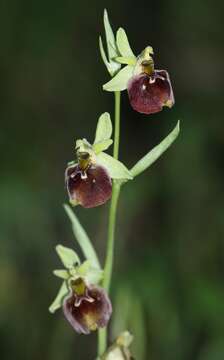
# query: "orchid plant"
x,y
96,177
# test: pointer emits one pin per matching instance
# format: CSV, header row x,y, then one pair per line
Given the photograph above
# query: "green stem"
x,y
102,338
102,341
117,95
111,232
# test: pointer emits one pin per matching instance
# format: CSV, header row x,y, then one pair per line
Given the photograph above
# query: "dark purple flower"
x,y
89,186
149,91
87,308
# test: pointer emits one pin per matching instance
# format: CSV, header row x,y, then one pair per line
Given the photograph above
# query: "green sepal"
x,y
123,44
68,256
62,293
155,153
120,81
115,168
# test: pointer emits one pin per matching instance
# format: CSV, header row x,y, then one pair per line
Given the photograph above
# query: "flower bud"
x,y
87,308
88,184
119,350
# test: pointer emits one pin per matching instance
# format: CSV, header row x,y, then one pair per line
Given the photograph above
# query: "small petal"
x,y
148,93
89,188
88,312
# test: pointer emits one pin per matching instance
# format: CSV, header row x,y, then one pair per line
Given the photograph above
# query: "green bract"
x,y
120,81
82,238
155,153
116,169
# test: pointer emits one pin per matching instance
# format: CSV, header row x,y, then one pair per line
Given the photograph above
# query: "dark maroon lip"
x,y
148,94
89,188
88,312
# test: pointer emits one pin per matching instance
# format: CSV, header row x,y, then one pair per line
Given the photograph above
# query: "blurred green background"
x,y
168,283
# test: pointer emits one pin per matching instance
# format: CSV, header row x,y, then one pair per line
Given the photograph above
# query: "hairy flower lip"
x,y
85,315
89,188
149,93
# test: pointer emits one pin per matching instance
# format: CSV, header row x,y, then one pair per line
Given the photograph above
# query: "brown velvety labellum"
x,y
90,312
89,188
149,93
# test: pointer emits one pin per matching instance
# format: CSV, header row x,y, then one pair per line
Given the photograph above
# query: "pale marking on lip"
x,y
151,81
83,176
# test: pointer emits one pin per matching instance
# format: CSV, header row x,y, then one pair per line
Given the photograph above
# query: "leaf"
x,y
119,81
57,303
116,169
104,128
82,238
68,256
126,60
102,145
155,153
62,274
123,44
111,44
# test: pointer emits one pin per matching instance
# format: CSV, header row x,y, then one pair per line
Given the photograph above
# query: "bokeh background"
x,y
168,286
